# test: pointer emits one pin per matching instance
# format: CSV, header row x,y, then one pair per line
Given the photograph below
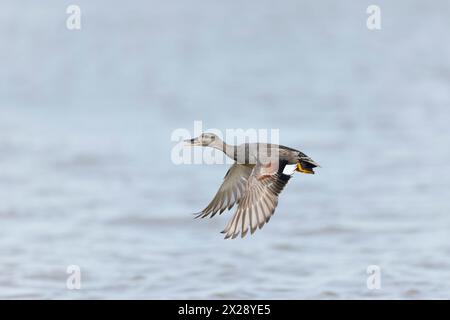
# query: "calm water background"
x,y
86,176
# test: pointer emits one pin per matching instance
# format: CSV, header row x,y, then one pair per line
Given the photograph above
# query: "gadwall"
x,y
253,182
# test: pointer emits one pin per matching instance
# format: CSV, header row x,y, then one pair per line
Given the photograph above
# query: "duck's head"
x,y
204,140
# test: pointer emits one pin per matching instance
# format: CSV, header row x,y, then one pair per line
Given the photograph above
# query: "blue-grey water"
x,y
86,176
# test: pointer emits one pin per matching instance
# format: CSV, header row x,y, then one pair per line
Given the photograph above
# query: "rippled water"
x,y
86,176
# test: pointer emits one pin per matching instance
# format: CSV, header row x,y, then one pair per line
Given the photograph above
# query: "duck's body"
x,y
249,152
254,181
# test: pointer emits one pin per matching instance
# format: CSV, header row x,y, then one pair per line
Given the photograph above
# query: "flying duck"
x,y
253,182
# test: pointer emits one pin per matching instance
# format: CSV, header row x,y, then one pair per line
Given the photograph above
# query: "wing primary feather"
x,y
256,197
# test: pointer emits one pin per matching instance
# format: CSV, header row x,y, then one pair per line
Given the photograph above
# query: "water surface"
x,y
86,176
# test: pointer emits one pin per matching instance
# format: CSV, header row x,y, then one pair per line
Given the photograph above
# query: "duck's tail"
x,y
305,164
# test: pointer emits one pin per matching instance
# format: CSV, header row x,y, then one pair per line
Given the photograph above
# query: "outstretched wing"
x,y
231,190
260,200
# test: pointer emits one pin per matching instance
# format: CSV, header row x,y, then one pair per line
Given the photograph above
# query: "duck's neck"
x,y
229,150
